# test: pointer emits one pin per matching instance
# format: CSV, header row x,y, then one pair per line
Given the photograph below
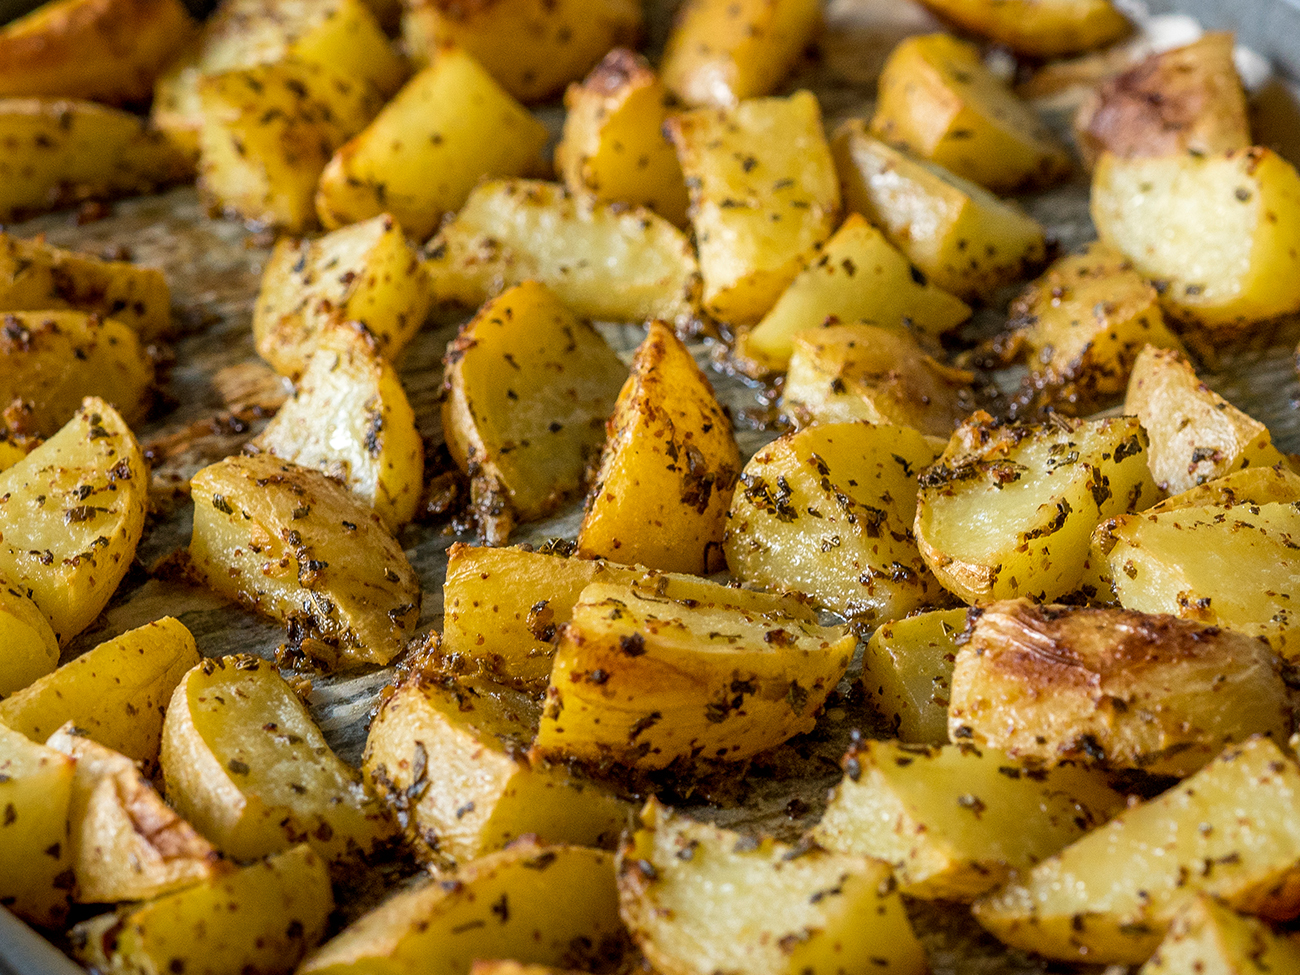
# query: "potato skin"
x,y
1037,28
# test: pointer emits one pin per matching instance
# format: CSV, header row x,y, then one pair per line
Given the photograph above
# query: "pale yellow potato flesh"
x,y
1250,485
1038,28
1210,938
907,673
30,648
36,878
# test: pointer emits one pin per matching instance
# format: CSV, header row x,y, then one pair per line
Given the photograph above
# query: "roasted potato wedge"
x,y
787,909
293,544
71,515
1037,28
245,763
365,273
1250,485
529,386
828,511
60,152
720,52
262,918
1220,233
126,844
613,146
842,373
603,261
907,673
675,668
962,237
31,649
532,47
350,418
763,193
1110,896
1009,510
1111,686
1208,937
668,469
450,126
447,755
114,694
938,100
957,821
856,275
552,905
36,877
1185,99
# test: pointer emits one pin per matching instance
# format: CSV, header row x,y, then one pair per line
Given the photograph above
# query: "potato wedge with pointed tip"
x,y
1208,937
907,673
30,648
36,877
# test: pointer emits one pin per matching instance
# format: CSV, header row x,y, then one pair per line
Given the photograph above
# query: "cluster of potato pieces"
x,y
1053,602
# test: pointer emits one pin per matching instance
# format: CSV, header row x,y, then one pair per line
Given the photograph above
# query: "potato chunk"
x,y
268,133
1207,937
126,844
764,194
604,262
1188,98
245,763
115,693
447,755
295,545
856,275
35,867
31,649
1110,896
613,146
1111,686
907,673
50,360
668,469
1250,485
1196,435
721,52
71,515
532,47
674,668
450,126
529,386
350,418
786,910
62,152
1037,28
549,905
956,821
1220,232
842,373
366,273
828,511
1009,510
261,918
938,100
962,237
34,274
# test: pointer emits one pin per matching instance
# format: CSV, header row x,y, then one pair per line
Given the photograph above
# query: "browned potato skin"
x,y
1189,98
1112,686
108,51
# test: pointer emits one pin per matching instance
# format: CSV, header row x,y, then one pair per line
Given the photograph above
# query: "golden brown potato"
x,y
962,237
668,469
115,693
1110,896
763,192
126,844
907,673
1113,687
447,755
1206,936
350,418
1250,485
828,511
1186,99
528,388
938,100
721,52
786,910
448,128
856,275
34,274
841,373
295,545
614,147
36,876
1220,233
1037,28
956,821
675,668
31,649
71,515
